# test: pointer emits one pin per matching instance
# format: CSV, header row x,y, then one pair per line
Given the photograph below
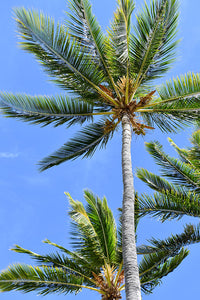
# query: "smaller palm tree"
x,y
96,261
177,199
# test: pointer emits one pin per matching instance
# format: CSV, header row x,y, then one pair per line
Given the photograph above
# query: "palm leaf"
x,y
69,265
47,110
43,280
153,277
61,56
119,36
83,144
84,27
153,43
95,230
155,182
170,205
173,168
103,221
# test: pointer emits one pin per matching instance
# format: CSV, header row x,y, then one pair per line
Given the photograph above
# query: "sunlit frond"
x,y
153,42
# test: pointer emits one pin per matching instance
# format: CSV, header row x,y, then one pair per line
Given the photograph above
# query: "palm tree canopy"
x,y
95,262
108,75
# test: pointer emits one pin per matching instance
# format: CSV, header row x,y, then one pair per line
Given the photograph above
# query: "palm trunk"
x,y
132,280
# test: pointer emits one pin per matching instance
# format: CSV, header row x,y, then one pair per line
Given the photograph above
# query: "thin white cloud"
x,y
8,155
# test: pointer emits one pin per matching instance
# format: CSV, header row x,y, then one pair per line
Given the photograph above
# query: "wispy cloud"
x,y
8,155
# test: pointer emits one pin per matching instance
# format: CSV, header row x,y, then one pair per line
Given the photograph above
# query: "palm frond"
x,y
81,260
153,43
47,110
152,277
103,221
190,236
61,56
43,280
119,36
169,205
178,171
68,264
179,101
94,232
194,151
183,153
83,26
83,144
155,182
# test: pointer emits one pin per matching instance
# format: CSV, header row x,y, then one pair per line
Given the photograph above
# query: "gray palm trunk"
x,y
132,281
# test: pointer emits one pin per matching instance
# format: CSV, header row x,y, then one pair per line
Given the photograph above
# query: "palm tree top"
x,y
109,75
95,263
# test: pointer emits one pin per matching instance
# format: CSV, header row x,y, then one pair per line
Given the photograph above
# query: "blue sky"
x,y
33,205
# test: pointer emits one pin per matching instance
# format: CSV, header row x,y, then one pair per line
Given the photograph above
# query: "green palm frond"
x,y
95,229
119,36
190,235
84,27
173,168
80,259
83,144
190,155
103,221
43,280
183,153
47,110
178,105
68,264
194,152
153,277
170,205
153,43
61,56
155,182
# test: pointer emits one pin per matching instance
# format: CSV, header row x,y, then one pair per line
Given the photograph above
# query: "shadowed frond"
x,y
190,235
47,110
170,205
83,144
155,182
193,153
173,168
155,272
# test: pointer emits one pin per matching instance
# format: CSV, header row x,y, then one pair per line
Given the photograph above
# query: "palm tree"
x,y
173,201
96,260
111,81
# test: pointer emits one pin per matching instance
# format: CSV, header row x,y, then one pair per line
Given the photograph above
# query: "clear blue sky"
x,y
33,205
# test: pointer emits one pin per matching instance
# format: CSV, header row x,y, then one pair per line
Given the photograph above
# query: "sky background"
x,y
32,204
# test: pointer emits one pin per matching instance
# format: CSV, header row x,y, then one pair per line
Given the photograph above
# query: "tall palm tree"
x,y
111,78
96,260
173,201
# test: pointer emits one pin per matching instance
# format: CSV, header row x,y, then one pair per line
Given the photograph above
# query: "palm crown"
x,y
108,75
96,261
